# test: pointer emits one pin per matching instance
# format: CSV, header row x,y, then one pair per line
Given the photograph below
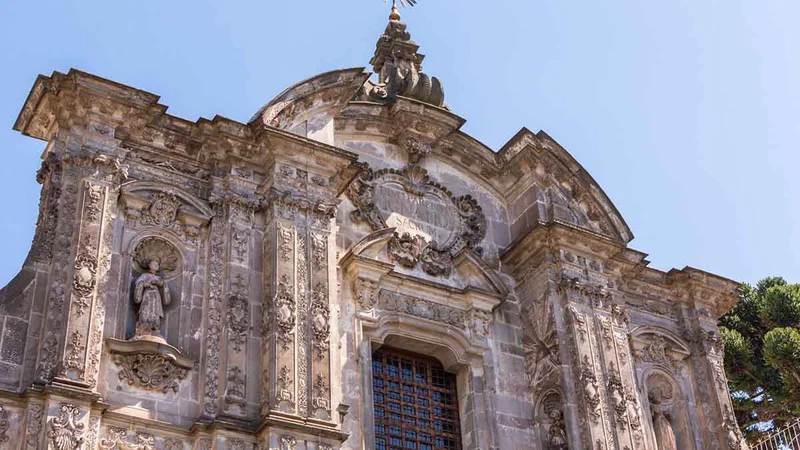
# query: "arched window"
x,y
415,402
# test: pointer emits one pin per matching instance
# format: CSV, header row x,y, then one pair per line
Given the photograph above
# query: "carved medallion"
x,y
162,211
431,224
84,278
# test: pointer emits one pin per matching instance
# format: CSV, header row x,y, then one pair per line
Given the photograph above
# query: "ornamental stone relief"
x,y
284,311
151,372
119,439
320,320
431,225
366,293
238,314
425,309
4,425
66,432
591,389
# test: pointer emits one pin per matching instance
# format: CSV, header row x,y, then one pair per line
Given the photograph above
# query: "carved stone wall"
x,y
292,247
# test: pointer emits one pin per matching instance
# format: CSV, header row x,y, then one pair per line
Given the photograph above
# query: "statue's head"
x,y
555,414
152,265
656,395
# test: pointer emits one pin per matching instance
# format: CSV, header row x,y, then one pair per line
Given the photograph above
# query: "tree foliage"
x,y
762,354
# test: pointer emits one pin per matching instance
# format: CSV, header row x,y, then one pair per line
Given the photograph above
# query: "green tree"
x,y
762,355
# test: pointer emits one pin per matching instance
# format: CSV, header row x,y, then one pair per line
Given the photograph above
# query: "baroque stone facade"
x,y
223,285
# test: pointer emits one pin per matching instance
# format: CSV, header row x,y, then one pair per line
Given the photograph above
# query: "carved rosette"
x,y
410,249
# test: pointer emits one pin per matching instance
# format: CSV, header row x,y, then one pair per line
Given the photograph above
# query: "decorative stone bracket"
x,y
149,365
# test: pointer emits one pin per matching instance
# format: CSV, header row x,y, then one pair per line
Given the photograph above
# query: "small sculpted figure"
x,y
665,436
152,295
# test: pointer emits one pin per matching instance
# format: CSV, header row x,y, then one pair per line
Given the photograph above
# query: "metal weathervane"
x,y
402,2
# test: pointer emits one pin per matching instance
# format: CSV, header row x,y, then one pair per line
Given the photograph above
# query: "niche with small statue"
x,y
146,357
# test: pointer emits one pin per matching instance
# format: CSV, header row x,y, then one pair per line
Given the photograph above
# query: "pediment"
x,y
373,254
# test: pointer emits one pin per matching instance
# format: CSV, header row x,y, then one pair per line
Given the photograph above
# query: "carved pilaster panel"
x,y
34,421
60,287
302,320
86,311
216,283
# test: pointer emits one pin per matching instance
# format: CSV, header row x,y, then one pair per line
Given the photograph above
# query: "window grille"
x,y
415,403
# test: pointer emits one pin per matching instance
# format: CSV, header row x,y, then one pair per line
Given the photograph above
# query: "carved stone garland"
x,y
412,249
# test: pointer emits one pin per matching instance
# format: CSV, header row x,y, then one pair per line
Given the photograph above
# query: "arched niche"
x,y
549,420
166,251
666,402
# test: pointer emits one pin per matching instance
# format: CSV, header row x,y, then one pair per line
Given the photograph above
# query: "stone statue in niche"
x,y
556,435
665,436
158,261
152,295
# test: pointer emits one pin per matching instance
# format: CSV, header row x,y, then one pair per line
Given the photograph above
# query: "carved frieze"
x,y
417,307
431,223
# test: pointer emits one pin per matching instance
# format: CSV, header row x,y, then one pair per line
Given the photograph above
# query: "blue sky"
x,y
686,112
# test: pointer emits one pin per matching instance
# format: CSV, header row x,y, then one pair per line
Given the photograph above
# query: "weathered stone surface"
x,y
223,285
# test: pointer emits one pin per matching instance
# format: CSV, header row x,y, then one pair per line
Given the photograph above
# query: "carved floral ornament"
x,y
149,365
432,225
